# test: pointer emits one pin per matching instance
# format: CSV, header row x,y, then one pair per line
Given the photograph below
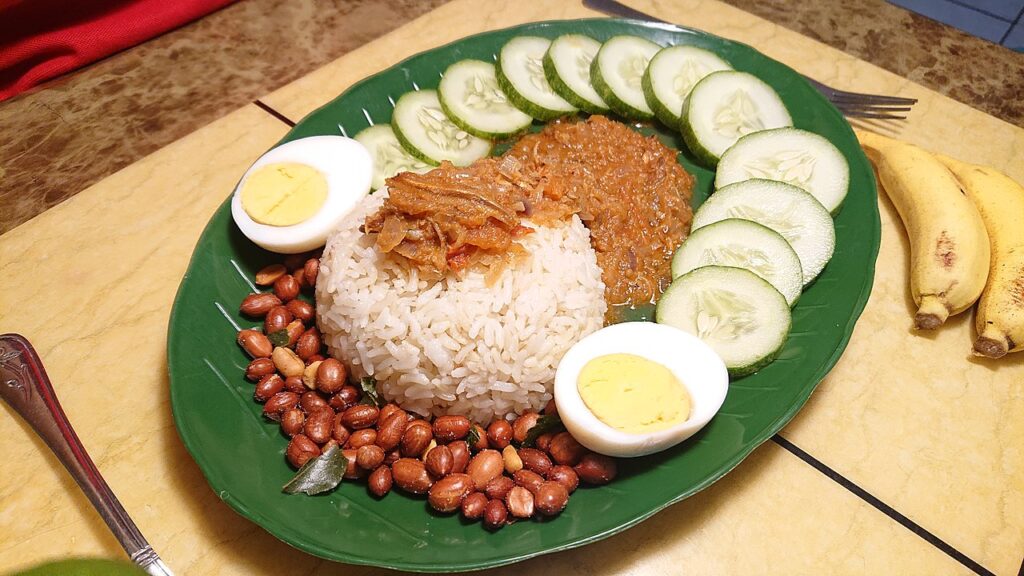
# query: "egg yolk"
x,y
633,394
284,194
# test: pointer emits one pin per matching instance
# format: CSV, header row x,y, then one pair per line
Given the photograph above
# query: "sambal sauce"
x,y
628,189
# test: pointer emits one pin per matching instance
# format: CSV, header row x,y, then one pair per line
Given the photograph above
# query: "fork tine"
x,y
872,107
839,95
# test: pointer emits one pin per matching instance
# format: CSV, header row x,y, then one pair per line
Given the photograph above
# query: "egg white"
x,y
693,362
347,168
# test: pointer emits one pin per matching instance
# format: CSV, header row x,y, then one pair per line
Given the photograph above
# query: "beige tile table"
x,y
907,460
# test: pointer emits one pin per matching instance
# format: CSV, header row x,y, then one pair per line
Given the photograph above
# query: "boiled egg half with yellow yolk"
x,y
637,388
295,195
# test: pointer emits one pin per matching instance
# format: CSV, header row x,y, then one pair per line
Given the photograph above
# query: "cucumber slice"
x,y
617,74
786,209
567,68
725,106
743,244
743,318
791,155
472,100
670,76
520,69
389,158
428,134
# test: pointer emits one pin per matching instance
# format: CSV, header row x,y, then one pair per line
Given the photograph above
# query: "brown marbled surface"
x,y
87,125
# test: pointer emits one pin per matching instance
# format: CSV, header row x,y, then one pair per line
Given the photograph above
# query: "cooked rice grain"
x,y
459,346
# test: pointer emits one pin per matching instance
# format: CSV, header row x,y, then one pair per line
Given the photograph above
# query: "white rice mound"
x,y
458,346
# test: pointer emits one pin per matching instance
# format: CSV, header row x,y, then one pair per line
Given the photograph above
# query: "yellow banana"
x,y
1000,319
949,247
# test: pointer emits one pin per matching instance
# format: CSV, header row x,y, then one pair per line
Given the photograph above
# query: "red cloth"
x,y
42,39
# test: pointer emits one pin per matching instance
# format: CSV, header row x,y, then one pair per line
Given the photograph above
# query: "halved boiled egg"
x,y
295,195
637,388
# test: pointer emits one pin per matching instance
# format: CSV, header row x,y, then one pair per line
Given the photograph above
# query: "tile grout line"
x,y
1001,40
259,104
813,462
883,507
963,4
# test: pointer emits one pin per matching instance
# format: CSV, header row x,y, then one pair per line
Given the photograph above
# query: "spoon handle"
x,y
26,388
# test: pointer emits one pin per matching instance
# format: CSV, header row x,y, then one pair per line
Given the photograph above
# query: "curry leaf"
x,y
370,394
279,338
473,436
544,425
320,474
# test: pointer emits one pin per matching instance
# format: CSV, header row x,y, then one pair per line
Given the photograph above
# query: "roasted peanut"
x,y
473,506
259,368
332,443
513,462
339,432
301,309
431,446
300,450
481,439
389,409
358,416
528,479
521,425
278,403
257,305
415,440
439,461
311,270
292,421
596,469
411,475
347,396
269,274
543,441
330,377
267,387
390,429
484,466
550,498
294,329
370,456
450,428
362,437
353,470
565,476
255,343
379,482
286,288
535,460
300,278
392,456
319,424
551,409
311,402
277,318
520,502
309,376
293,262
564,449
499,434
295,384
308,343
316,358
286,362
460,455
447,494
495,514
498,487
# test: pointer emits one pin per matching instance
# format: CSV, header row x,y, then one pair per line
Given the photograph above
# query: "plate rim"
x,y
288,536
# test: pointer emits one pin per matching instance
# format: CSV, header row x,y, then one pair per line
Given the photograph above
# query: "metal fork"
x,y
851,104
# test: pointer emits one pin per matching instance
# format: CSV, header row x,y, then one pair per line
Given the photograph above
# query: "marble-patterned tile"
x,y
74,131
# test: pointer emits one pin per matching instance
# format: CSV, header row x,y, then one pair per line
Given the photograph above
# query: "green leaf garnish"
x,y
279,338
544,425
473,437
320,474
370,394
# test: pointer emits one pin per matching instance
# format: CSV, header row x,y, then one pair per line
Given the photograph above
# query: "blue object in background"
x,y
997,21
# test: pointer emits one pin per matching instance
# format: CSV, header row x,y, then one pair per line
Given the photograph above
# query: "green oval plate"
x,y
241,454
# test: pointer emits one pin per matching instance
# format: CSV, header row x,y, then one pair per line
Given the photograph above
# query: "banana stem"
x,y
931,313
992,343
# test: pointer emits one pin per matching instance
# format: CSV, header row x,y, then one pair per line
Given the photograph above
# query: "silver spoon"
x,y
26,388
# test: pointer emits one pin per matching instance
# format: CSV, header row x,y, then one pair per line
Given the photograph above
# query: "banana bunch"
x,y
966,229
